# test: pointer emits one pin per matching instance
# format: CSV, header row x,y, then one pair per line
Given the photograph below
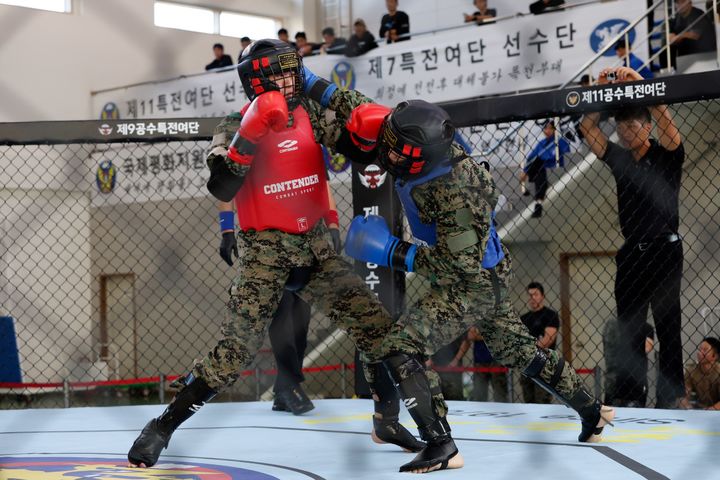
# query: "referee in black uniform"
x,y
650,262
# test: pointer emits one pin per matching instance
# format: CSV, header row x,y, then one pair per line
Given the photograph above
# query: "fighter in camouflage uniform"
x,y
448,200
274,170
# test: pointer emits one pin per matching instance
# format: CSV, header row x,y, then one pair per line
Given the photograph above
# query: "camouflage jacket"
x,y
461,204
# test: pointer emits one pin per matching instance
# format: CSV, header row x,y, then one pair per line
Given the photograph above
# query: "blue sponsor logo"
x,y
607,31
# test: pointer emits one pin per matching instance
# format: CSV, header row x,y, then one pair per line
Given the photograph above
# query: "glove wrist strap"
x,y
227,221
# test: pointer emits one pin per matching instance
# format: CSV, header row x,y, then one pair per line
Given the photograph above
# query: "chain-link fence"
x,y
112,279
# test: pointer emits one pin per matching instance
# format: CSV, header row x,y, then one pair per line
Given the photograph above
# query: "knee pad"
x,y
402,366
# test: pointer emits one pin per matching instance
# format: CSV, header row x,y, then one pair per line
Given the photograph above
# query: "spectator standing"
x,y
304,48
361,40
244,42
702,380
700,38
395,25
548,153
543,324
221,59
482,358
284,36
631,60
540,6
331,44
483,14
649,264
626,385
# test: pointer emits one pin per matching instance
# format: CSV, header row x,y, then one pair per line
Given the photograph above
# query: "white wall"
x,y
52,61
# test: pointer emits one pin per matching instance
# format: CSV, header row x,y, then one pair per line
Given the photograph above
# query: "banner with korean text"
x,y
522,53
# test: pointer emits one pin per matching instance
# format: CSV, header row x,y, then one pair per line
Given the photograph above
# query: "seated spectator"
x,y
361,40
285,37
221,59
332,45
700,38
482,380
542,323
304,47
395,25
541,158
540,6
244,42
702,381
631,60
483,14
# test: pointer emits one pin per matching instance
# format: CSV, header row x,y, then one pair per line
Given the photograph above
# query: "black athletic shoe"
x,y
390,431
148,445
295,400
537,213
279,405
438,451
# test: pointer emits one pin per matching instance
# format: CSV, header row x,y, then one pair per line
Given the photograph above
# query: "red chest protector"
x,y
286,187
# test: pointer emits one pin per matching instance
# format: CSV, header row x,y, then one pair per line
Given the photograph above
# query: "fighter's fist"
x,y
364,124
267,111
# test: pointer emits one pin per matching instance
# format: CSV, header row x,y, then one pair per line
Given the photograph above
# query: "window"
x,y
207,20
241,25
62,6
184,17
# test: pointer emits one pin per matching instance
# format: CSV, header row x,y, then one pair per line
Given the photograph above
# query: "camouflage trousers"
x,y
266,259
449,310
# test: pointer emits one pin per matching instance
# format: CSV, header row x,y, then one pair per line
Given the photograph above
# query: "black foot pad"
x,y
390,431
148,445
437,452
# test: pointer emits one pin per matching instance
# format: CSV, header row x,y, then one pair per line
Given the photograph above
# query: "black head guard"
x,y
264,58
419,134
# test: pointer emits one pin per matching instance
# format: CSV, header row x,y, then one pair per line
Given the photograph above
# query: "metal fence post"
x,y
510,386
66,393
343,379
257,383
161,389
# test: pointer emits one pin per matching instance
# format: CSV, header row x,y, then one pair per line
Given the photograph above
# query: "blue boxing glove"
x,y
318,89
369,239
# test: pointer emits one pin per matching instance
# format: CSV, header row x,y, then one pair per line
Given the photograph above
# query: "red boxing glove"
x,y
267,111
364,124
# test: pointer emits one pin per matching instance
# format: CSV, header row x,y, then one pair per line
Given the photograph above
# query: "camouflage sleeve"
x,y
328,128
222,136
463,206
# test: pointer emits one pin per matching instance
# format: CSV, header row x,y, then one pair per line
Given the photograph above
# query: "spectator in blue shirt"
x,y
632,61
542,157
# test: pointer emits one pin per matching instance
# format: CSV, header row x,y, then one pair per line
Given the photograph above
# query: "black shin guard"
x,y
409,375
587,406
387,409
156,434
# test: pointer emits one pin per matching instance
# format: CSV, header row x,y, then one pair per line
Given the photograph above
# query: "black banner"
x,y
574,100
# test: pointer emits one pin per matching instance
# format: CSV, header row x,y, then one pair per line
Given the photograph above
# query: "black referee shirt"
x,y
647,189
537,321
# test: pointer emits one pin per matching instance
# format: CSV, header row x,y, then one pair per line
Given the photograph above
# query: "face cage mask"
x,y
266,66
415,159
